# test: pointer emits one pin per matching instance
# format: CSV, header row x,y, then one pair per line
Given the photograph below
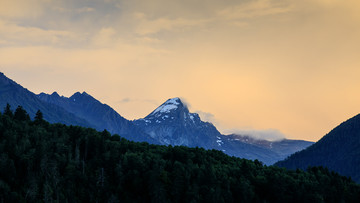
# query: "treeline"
x,y
42,162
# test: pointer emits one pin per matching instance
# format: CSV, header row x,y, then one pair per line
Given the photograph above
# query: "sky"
x,y
273,68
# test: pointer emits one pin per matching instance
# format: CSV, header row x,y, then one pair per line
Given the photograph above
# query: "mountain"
x,y
172,124
99,115
87,107
339,150
283,147
15,95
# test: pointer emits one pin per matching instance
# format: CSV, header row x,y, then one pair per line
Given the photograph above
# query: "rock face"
x,y
173,124
339,150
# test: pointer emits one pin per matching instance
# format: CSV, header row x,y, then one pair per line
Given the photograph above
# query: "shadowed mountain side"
x,y
339,150
283,148
15,95
99,115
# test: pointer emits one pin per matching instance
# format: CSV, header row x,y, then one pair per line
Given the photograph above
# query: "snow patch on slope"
x,y
167,106
219,141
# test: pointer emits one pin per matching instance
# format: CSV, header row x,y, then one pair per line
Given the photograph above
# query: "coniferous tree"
x,y
39,117
20,114
7,110
57,163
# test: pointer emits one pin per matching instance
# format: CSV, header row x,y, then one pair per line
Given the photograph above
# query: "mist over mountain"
x,y
170,124
283,148
339,150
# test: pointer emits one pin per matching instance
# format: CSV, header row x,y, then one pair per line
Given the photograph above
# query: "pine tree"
x,y
7,110
20,114
39,117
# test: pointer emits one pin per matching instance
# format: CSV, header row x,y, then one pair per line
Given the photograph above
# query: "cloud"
x,y
105,37
148,49
85,9
253,9
270,134
125,100
22,8
128,100
185,102
13,35
206,116
147,26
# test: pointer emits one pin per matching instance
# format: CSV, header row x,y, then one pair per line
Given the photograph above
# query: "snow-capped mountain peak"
x,y
169,105
172,123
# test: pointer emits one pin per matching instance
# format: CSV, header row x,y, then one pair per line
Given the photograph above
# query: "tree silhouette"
x,y
39,117
20,114
7,110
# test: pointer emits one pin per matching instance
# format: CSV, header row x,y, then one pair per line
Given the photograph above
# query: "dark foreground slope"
x,y
42,162
339,150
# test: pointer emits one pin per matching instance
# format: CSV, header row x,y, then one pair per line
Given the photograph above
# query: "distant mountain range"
x,y
339,151
99,116
169,124
172,123
15,95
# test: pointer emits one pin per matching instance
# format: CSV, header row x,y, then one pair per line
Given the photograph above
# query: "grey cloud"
x,y
205,116
185,102
269,134
125,100
130,100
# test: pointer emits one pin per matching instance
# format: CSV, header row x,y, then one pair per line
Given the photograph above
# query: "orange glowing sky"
x,y
283,67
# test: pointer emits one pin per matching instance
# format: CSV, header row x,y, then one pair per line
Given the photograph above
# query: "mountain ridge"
x,y
339,150
16,95
170,124
173,124
100,115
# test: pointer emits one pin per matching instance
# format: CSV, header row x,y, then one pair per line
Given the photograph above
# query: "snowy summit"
x,y
169,105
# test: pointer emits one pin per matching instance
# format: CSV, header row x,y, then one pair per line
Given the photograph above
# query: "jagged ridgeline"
x,y
170,124
43,162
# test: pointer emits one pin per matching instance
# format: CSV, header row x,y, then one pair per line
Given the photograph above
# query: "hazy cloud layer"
x,y
270,134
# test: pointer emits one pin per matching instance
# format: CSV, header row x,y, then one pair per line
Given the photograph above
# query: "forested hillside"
x,y
42,162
